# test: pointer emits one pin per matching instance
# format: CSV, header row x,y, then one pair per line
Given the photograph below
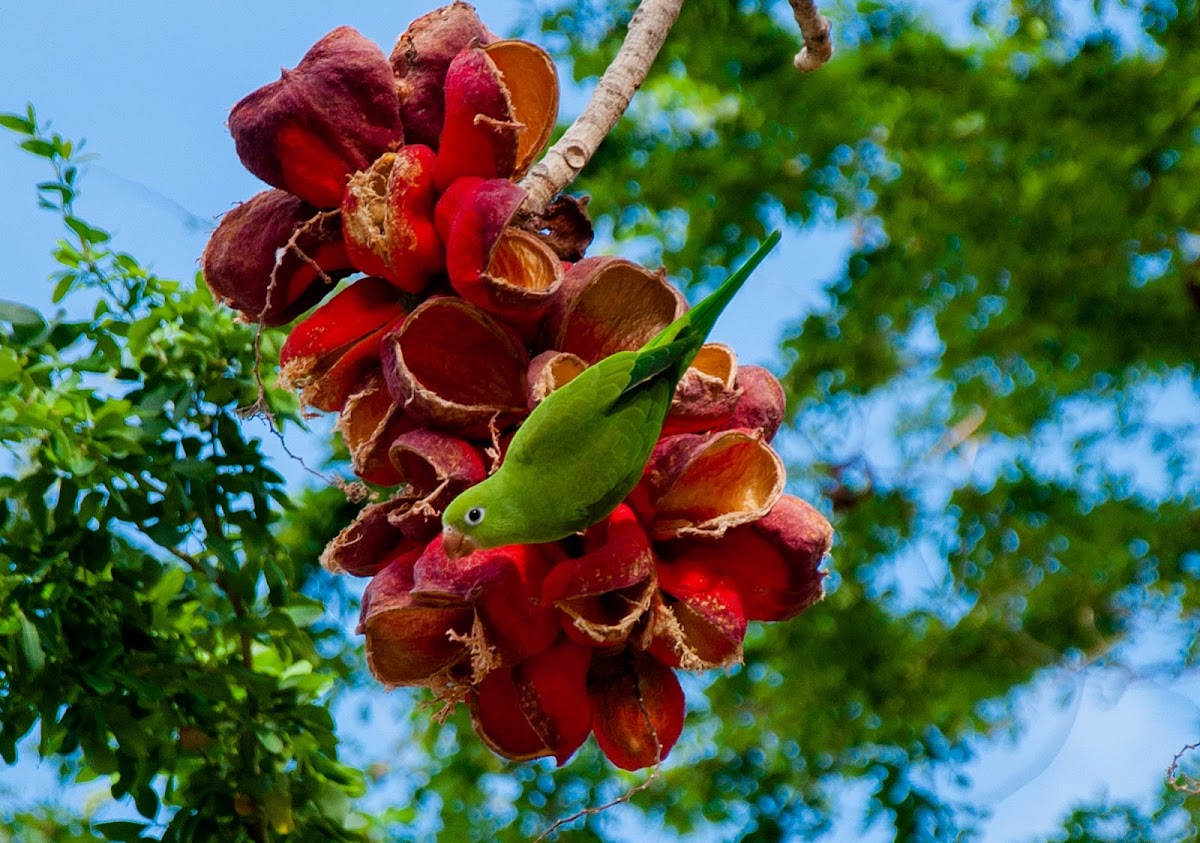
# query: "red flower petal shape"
x,y
531,81
408,643
463,191
706,395
772,563
609,304
454,368
273,257
550,370
420,59
334,114
330,352
479,133
762,403
602,595
699,486
387,216
505,270
540,707
498,715
637,709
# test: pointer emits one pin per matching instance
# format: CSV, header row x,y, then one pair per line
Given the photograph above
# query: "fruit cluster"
x,y
471,311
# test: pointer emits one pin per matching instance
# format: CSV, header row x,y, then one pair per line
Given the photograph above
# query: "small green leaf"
x,y
63,287
271,742
87,233
166,588
20,314
17,123
39,147
122,831
31,643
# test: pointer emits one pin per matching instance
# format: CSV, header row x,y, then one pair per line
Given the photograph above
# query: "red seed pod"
x,y
436,464
420,59
637,708
369,423
773,562
273,257
504,584
454,368
369,542
707,393
409,643
500,268
762,403
701,623
501,104
550,370
329,353
601,596
387,216
607,305
335,113
540,707
699,486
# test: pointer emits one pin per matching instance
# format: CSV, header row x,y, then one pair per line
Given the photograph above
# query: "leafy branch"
x,y
198,685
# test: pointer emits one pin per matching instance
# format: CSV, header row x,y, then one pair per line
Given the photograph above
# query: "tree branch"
x,y
235,600
818,45
647,31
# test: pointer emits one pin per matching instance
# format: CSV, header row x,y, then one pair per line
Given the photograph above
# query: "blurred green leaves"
x,y
156,629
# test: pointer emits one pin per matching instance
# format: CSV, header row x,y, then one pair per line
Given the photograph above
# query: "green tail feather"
x,y
699,321
674,348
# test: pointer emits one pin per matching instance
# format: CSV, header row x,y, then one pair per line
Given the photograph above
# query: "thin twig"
x,y
221,582
647,31
1179,780
818,45
629,793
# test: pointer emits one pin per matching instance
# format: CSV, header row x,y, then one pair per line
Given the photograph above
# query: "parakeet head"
x,y
475,520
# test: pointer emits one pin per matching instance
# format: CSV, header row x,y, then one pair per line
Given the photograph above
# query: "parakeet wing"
x,y
588,438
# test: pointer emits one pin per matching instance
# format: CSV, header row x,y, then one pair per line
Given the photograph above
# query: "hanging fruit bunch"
x,y
461,313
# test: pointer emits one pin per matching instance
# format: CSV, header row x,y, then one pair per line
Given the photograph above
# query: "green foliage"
x,y
153,625
1024,257
1023,286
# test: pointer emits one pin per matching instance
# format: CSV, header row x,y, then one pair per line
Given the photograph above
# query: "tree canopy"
x,y
996,404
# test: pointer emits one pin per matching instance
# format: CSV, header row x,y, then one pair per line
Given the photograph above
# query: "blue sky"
x,y
150,85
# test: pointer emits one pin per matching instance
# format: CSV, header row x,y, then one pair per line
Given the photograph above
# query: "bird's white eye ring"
x,y
475,516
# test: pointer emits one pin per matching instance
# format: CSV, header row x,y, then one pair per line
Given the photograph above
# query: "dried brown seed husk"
x,y
274,256
453,367
420,59
609,304
702,485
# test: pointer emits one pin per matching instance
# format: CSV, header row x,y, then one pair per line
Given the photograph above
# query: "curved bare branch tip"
x,y
814,27
647,31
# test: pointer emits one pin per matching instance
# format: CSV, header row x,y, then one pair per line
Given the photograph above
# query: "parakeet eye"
x,y
475,516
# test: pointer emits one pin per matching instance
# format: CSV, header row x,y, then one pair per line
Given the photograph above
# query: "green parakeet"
x,y
584,448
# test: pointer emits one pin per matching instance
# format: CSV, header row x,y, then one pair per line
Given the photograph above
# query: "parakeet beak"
x,y
456,544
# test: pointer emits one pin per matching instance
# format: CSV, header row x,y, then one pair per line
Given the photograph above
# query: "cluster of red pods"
x,y
461,313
